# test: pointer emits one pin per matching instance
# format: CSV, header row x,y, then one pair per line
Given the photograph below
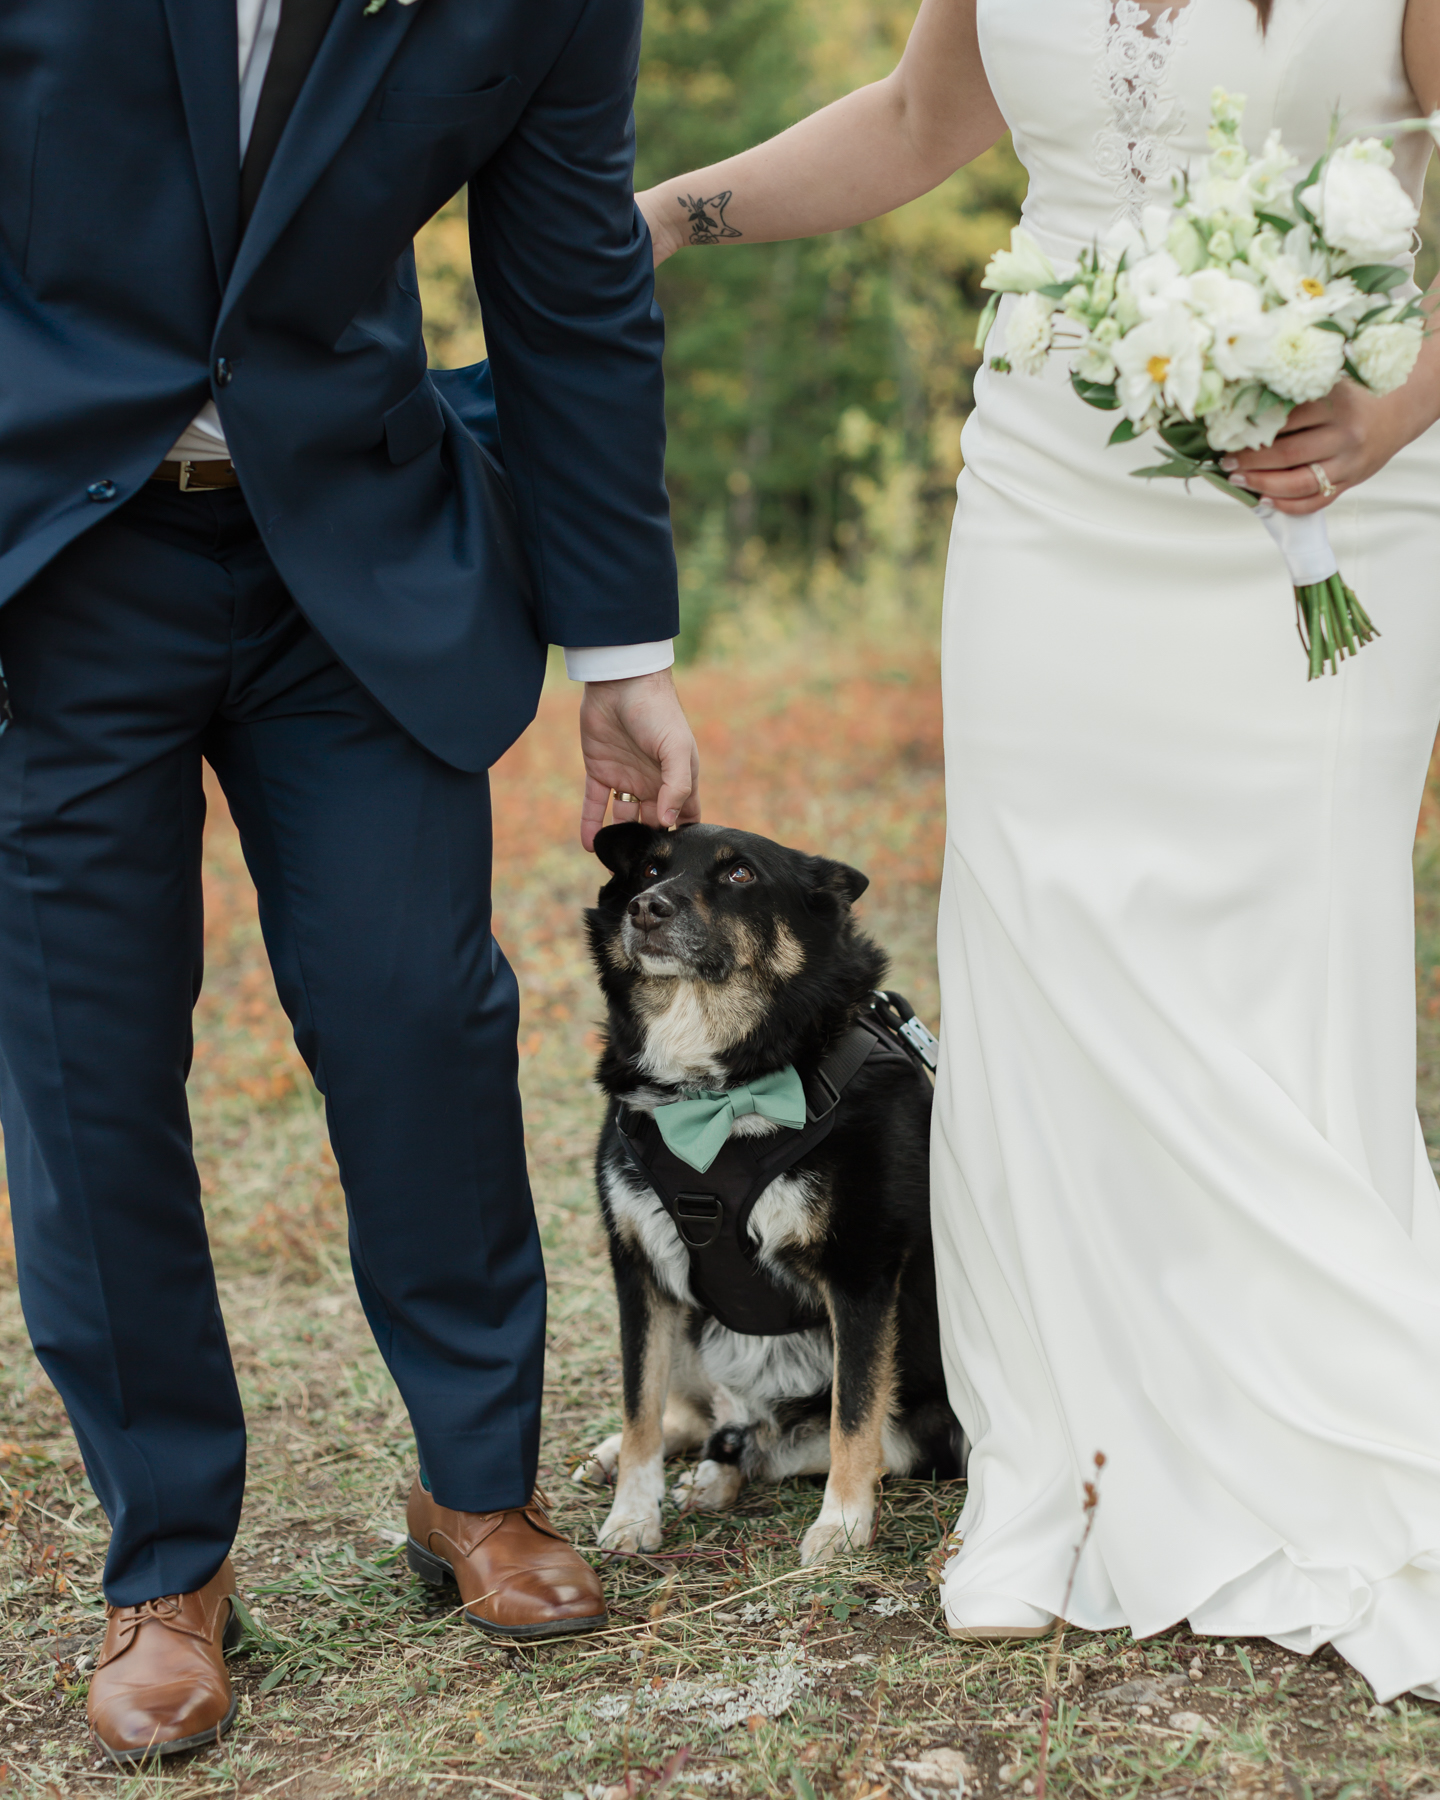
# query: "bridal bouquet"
x,y
1214,317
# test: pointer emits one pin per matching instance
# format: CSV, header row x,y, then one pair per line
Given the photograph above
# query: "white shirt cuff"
x,y
618,662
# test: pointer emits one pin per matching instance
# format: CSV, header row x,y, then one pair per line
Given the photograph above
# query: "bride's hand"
x,y
1349,435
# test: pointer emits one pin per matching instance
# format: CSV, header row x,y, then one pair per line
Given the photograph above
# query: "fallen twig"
x,y
1052,1662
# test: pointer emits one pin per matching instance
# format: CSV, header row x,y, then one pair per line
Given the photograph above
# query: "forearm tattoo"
x,y
707,218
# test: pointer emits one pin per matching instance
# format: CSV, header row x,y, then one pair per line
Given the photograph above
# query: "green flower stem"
x,y
1332,624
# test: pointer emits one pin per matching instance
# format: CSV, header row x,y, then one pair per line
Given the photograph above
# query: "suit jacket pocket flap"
x,y
414,423
401,106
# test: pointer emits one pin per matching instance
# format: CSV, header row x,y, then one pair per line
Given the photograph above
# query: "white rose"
x,y
1020,269
1029,334
1361,208
1160,364
1384,355
1304,362
1244,421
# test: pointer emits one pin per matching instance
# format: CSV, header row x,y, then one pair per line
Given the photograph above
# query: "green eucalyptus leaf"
x,y
1100,394
1187,439
1182,469
1124,432
1376,278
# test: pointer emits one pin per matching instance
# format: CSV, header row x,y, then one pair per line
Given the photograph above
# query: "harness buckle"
x,y
698,1218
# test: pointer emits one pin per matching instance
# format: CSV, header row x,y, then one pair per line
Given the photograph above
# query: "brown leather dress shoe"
x,y
517,1576
161,1685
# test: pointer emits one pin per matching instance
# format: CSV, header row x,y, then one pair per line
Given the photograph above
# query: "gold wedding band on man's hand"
x,y
626,799
1324,485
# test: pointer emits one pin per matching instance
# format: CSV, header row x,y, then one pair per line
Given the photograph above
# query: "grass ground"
x,y
727,1671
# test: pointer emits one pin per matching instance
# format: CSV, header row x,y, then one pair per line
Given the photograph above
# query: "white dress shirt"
x,y
203,440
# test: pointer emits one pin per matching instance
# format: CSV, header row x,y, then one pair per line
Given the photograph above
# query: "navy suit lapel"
x,y
352,59
203,35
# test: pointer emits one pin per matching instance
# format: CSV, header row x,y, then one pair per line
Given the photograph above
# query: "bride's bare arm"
x,y
1351,434
862,156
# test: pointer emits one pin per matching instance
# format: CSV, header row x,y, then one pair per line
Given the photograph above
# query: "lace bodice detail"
x,y
1134,148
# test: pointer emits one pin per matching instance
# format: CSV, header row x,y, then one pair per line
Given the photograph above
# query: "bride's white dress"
x,y
1183,1212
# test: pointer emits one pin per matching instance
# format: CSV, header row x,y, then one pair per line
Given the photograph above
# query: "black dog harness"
x,y
712,1211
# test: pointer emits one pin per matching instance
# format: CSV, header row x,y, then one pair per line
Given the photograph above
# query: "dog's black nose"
x,y
648,910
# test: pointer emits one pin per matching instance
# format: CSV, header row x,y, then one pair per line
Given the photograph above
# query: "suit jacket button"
x,y
224,374
102,490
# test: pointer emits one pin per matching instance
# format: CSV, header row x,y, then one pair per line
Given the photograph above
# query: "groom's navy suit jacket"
x,y
128,297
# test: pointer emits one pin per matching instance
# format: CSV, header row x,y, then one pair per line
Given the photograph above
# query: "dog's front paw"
x,y
709,1487
598,1468
630,1530
835,1534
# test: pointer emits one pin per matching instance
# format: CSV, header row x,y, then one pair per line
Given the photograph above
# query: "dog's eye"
x,y
740,874
651,871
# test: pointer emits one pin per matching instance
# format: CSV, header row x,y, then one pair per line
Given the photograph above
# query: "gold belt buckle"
x,y
187,469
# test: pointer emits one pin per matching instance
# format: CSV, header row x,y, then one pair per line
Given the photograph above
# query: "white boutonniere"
x,y
375,6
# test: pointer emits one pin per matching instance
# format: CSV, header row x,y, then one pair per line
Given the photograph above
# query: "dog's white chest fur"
x,y
680,1044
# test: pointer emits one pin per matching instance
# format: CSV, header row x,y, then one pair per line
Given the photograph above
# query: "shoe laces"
x,y
166,1607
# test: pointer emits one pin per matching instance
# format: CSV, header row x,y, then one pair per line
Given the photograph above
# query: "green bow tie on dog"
x,y
696,1129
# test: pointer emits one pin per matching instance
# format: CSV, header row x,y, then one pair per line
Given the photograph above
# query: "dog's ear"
x,y
834,886
620,847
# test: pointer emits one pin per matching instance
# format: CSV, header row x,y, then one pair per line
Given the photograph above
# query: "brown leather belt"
x,y
198,477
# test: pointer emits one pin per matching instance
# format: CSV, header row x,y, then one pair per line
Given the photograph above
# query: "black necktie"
x,y
297,38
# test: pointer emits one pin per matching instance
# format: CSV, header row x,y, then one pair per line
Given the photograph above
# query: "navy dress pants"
x,y
163,637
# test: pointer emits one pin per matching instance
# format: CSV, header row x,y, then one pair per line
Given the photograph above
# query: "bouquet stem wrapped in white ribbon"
x,y
1212,319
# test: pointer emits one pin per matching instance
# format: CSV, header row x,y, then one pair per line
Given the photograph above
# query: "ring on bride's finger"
x,y
1324,485
626,799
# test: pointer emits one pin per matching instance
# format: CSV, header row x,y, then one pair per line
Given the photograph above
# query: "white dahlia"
x,y
1384,355
1244,420
1030,333
1305,361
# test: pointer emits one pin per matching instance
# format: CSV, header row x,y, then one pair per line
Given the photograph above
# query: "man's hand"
x,y
636,739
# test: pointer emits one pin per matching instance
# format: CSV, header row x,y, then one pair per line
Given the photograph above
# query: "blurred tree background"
x,y
816,389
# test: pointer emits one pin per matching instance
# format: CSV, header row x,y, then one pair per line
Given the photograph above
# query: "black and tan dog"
x,y
777,1302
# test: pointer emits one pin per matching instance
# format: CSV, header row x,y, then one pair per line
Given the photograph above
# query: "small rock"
x,y
1131,1693
1010,1773
1192,1721
936,1767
